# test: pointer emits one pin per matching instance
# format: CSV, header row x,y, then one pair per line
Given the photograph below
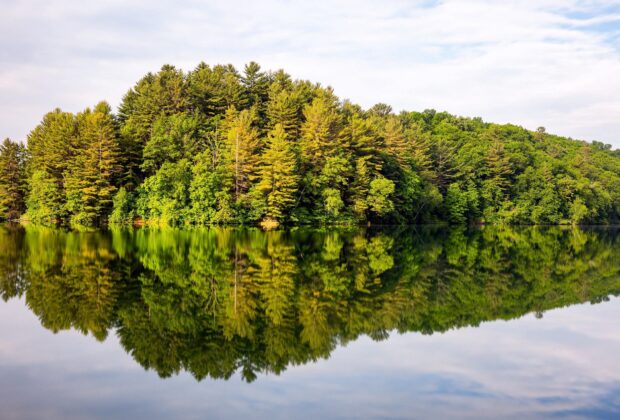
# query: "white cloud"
x,y
552,63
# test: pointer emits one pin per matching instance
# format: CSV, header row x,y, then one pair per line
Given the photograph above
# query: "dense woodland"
x,y
214,301
219,146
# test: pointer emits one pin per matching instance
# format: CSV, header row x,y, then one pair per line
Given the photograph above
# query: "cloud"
x,y
552,63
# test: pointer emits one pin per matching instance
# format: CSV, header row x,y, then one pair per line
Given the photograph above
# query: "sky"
x,y
536,63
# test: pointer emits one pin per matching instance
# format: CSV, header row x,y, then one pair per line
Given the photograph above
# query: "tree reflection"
x,y
216,301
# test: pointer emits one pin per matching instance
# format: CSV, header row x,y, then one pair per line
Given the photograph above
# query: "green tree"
x,y
283,109
256,84
395,143
12,180
243,146
278,174
360,187
212,90
51,146
578,211
122,207
210,190
164,197
172,138
379,196
163,93
319,132
216,120
90,179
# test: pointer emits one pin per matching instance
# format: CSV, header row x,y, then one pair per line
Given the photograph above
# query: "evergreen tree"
x,y
12,180
211,91
362,135
163,93
395,143
90,182
278,174
282,109
498,165
194,148
256,84
319,132
497,181
243,146
172,138
51,146
419,144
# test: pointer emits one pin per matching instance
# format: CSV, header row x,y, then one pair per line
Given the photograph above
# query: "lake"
x,y
423,322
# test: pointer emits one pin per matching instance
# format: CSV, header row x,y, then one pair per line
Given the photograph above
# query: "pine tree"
x,y
419,144
162,93
282,108
90,180
278,174
12,180
444,153
243,146
256,84
211,91
191,149
319,132
172,138
498,165
51,147
395,144
363,137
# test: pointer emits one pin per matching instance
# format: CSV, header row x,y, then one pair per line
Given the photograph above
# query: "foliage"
x,y
13,186
123,207
163,197
244,146
90,177
214,301
278,177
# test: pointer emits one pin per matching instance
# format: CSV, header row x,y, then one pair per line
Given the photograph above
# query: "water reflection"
x,y
216,301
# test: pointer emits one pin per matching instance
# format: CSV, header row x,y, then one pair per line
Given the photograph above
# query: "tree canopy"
x,y
219,146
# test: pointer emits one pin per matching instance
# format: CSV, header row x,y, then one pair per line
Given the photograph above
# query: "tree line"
x,y
219,146
215,301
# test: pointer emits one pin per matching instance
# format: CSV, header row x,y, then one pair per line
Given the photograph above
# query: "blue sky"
x,y
547,62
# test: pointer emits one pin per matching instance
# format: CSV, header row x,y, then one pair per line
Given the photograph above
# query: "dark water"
x,y
334,323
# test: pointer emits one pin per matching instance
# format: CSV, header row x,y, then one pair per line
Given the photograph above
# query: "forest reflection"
x,y
214,301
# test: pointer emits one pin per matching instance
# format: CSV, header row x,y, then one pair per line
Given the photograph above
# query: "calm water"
x,y
231,323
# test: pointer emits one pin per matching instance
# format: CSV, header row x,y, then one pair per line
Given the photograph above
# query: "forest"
x,y
218,300
218,146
